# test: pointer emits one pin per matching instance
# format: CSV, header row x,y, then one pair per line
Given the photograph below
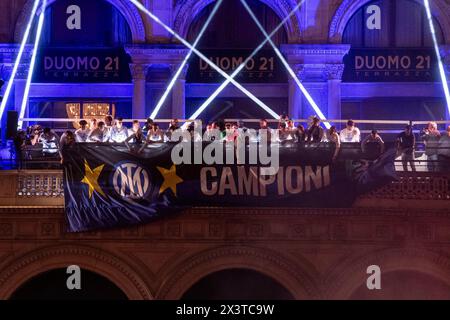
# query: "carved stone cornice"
x,y
157,55
315,53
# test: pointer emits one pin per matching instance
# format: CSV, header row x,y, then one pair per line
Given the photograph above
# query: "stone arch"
x,y
125,7
186,12
348,276
33,263
299,280
348,8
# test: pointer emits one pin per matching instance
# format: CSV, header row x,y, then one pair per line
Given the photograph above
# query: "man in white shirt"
x,y
82,133
99,134
350,133
118,133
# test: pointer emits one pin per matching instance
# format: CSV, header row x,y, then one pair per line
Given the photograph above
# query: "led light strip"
x,y
180,69
18,59
287,66
204,58
33,62
242,65
436,48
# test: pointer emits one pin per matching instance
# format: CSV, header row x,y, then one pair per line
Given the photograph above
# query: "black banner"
x,y
264,67
109,186
390,65
72,65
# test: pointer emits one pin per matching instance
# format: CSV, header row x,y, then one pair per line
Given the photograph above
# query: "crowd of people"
x,y
437,145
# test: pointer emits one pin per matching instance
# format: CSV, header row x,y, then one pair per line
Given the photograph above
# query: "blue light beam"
x,y
204,58
18,59
180,69
287,66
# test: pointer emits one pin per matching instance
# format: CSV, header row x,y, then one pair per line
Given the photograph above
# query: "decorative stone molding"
x,y
23,267
317,62
157,55
348,8
174,68
445,54
299,280
333,71
139,71
350,274
8,54
125,7
187,10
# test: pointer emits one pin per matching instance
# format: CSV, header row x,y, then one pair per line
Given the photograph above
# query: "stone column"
x,y
445,54
333,75
179,92
139,74
295,94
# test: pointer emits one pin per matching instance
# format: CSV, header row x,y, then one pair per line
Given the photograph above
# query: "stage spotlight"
x,y
438,54
242,65
32,63
204,58
18,59
287,66
180,69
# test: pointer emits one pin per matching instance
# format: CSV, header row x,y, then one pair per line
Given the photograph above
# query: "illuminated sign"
x,y
385,65
263,67
82,65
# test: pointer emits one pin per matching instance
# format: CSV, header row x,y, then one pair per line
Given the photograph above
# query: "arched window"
x,y
403,24
233,27
102,25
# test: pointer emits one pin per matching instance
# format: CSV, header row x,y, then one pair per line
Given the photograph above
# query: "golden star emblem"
x,y
91,179
170,179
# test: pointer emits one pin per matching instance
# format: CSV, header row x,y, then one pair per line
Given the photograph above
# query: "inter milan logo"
x,y
131,180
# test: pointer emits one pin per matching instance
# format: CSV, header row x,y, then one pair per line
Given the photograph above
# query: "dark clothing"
x,y
315,134
406,142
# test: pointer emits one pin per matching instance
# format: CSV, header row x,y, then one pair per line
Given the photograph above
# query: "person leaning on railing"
x,y
50,143
333,137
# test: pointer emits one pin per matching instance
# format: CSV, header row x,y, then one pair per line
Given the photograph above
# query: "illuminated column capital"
x,y
139,71
174,68
299,70
333,71
445,54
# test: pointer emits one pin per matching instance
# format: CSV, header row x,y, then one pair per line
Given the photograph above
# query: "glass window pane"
x,y
408,24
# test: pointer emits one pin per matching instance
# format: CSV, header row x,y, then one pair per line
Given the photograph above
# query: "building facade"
x,y
119,62
124,66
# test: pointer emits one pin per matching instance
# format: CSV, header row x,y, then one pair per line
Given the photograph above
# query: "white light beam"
x,y
26,35
436,48
204,58
180,69
287,66
242,65
32,63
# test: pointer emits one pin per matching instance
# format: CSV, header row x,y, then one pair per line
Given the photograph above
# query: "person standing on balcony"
x,y
315,132
350,133
50,143
431,137
118,133
406,142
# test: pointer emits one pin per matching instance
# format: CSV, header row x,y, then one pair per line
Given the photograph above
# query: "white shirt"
x,y
350,135
118,135
82,135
